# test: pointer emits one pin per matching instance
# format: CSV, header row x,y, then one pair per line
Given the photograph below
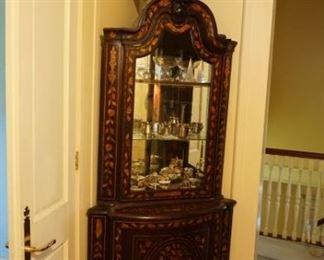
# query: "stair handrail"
x,y
295,153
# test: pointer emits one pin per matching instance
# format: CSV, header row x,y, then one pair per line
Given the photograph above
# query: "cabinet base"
x,y
181,231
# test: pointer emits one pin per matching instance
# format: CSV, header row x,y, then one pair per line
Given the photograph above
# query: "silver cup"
x,y
146,128
196,127
183,130
158,128
137,124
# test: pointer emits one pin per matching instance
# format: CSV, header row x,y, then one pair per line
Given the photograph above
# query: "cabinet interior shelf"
x,y
193,137
175,83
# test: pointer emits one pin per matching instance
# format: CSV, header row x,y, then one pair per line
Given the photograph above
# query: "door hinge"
x,y
76,161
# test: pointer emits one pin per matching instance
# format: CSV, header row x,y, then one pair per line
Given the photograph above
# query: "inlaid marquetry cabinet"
x,y
164,99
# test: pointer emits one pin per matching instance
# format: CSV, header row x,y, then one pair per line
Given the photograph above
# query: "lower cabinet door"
x,y
199,237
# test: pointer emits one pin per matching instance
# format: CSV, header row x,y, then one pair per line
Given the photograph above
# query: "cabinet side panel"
x,y
97,237
226,233
109,128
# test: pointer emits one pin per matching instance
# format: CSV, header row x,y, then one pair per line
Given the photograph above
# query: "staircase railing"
x,y
293,196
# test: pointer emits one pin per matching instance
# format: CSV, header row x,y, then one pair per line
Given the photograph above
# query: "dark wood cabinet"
x,y
164,98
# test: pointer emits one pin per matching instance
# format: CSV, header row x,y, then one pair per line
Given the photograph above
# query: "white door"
x,y
40,83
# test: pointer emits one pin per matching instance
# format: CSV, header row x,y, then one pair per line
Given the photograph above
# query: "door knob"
x,y
29,249
33,249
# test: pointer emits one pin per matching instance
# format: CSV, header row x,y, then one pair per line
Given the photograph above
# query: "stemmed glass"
x,y
143,70
181,68
165,63
147,72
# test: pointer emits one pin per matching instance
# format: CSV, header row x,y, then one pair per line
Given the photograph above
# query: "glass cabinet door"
x,y
171,103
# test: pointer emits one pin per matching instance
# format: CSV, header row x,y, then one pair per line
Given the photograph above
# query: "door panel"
x,y
46,118
59,254
51,109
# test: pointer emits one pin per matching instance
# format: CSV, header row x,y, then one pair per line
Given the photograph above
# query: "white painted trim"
x,y
258,228
96,59
68,73
79,217
252,105
12,124
228,171
87,106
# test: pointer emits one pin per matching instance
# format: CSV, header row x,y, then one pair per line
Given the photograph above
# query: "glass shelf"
x,y
191,137
175,83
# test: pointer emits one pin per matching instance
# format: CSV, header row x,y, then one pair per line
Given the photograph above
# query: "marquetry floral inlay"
x,y
97,245
113,64
110,126
175,251
174,246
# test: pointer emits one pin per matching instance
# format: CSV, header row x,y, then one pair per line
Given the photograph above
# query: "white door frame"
x,y
253,80
12,123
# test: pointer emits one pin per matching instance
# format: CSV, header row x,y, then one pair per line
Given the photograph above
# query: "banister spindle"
x,y
278,198
288,198
297,200
306,223
321,174
272,161
317,182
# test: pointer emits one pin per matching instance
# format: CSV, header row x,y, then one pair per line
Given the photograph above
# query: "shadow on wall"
x,y
3,182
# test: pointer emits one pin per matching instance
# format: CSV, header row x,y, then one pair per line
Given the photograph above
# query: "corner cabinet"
x,y
164,98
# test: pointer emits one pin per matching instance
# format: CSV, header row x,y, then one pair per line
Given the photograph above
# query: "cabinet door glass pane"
x,y
170,120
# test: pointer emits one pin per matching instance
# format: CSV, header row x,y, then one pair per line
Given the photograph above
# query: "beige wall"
x,y
117,13
296,113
